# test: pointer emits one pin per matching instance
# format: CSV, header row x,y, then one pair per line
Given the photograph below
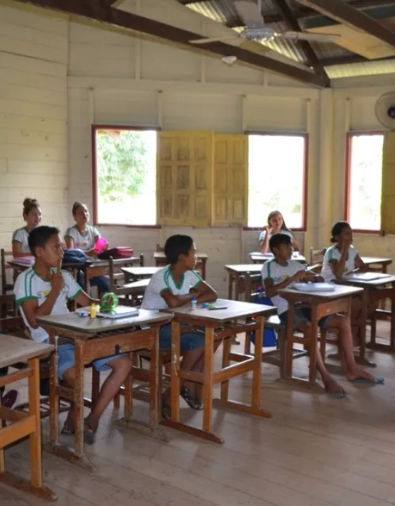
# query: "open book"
x,y
120,312
366,276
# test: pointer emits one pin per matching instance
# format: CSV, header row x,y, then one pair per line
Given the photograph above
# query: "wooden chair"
x,y
5,268
159,248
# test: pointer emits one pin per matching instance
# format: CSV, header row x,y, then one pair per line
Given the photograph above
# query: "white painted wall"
x,y
113,78
33,117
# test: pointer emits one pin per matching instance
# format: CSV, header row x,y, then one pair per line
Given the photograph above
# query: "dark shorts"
x,y
302,315
189,340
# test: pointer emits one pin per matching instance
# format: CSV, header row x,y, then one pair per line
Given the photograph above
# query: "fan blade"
x,y
313,37
212,39
249,13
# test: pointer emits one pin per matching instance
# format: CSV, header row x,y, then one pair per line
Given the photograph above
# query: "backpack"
x,y
74,256
269,335
116,253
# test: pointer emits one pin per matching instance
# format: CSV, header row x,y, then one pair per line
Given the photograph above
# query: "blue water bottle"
x,y
194,303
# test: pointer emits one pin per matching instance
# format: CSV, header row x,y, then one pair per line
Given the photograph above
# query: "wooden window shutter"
x,y
388,185
184,180
230,179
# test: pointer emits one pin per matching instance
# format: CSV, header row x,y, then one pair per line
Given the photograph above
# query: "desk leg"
x,y
392,334
79,399
289,342
204,261
248,287
54,398
364,317
230,285
226,347
208,380
237,286
175,367
313,345
155,383
35,437
257,372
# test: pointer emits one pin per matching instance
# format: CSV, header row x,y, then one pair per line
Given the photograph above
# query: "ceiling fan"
x,y
256,30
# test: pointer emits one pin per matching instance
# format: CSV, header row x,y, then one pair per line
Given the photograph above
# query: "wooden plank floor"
x,y
315,451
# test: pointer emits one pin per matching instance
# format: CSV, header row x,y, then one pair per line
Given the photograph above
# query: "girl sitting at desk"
x,y
275,225
32,215
83,236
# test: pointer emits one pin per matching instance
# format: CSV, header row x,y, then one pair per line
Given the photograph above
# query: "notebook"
x,y
120,312
314,287
366,276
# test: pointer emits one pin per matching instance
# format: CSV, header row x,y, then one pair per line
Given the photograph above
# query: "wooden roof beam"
x,y
304,45
350,16
96,11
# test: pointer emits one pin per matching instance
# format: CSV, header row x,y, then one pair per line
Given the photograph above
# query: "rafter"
x,y
304,45
303,12
107,16
350,16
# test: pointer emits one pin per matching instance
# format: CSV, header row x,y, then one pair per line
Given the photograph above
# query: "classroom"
x,y
197,237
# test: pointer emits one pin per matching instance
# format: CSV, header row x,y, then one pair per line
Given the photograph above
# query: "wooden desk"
x,y
94,339
381,288
201,261
261,258
322,304
12,351
137,273
244,272
372,262
218,324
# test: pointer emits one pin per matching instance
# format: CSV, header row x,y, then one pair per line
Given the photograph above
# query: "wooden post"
x,y
155,382
34,410
175,367
208,379
257,371
79,399
313,343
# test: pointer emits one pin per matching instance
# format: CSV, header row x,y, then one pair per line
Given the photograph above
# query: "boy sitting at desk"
x,y
281,272
174,286
44,290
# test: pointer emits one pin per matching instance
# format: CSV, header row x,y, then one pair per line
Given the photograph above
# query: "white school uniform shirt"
x,y
22,237
333,253
279,273
30,286
163,280
262,235
84,241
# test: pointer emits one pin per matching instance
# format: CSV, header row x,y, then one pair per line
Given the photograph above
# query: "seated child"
x,y
83,236
275,225
174,286
32,215
281,272
43,290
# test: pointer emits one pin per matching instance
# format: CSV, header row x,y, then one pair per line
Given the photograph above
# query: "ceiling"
x,y
357,52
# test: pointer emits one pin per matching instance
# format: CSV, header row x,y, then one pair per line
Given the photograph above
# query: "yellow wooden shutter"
x,y
184,178
230,179
388,185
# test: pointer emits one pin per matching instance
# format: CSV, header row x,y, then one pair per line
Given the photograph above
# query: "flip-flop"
x,y
9,399
339,395
68,430
89,435
192,402
166,409
374,381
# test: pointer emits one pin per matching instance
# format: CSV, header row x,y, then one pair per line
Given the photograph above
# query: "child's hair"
x,y
39,237
277,240
272,214
76,206
29,205
338,228
177,245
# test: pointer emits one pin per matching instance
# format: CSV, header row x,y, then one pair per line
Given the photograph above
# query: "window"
x,y
124,176
364,181
277,178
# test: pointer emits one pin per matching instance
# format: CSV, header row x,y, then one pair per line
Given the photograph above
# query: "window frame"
x,y
305,135
94,128
349,136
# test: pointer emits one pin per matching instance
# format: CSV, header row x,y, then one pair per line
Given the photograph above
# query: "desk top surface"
x,y
141,271
92,326
232,309
264,257
15,349
244,268
382,279
340,291
376,260
161,254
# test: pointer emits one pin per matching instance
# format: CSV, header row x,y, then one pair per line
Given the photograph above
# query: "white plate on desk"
x,y
314,287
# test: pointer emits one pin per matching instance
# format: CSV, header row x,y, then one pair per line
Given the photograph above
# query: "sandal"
x,y
192,402
166,409
89,435
9,399
68,429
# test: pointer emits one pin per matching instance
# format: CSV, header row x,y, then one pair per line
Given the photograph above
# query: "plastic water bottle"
x,y
194,303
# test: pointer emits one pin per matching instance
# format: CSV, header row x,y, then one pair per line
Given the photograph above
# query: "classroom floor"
x,y
315,451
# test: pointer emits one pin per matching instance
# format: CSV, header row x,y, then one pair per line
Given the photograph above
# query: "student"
x,y
275,225
83,236
341,258
281,272
173,286
32,215
44,290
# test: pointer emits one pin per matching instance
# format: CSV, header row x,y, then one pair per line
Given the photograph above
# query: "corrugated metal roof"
x,y
369,68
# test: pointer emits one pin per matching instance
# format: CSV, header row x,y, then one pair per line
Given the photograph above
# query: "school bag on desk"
x,y
116,253
74,256
269,335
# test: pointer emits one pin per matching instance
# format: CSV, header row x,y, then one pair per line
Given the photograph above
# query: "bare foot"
x,y
333,388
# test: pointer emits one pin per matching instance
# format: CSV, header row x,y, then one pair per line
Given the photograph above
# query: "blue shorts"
x,y
302,315
66,360
189,340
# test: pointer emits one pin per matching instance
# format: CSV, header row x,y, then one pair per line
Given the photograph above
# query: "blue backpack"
x,y
74,256
269,335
